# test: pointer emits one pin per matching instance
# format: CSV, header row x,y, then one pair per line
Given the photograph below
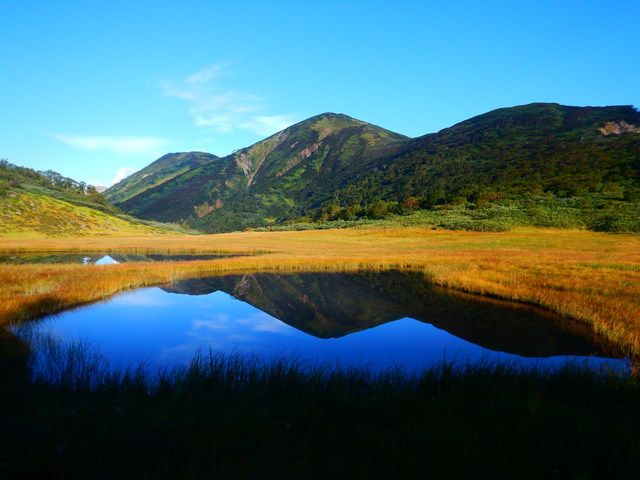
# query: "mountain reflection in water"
x,y
368,319
333,305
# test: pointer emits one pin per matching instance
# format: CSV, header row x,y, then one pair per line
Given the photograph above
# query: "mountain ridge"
x,y
334,163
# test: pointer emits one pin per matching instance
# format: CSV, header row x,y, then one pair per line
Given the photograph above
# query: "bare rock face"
x,y
618,127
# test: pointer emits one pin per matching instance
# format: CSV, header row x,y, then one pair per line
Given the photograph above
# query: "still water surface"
x,y
101,259
376,320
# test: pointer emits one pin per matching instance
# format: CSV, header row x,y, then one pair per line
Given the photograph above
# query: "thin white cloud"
x,y
207,74
125,146
216,321
224,110
262,322
265,125
122,173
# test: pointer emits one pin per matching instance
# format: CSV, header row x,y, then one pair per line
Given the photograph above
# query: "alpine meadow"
x,y
514,233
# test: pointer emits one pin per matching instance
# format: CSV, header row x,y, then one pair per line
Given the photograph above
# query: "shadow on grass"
x,y
241,417
39,307
14,369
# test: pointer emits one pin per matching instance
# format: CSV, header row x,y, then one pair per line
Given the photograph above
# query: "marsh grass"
x,y
239,417
592,278
236,416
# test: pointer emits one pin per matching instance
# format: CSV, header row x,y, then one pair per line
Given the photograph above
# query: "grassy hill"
x,y
35,204
542,157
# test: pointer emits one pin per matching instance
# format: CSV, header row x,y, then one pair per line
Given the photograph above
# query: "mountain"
x,y
297,166
333,305
48,204
333,166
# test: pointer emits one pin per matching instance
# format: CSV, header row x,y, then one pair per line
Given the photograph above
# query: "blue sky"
x,y
95,89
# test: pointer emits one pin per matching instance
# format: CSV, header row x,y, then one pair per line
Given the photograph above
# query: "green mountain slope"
x,y
529,149
47,204
333,166
160,171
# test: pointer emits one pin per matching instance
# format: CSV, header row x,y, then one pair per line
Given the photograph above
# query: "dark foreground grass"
x,y
241,417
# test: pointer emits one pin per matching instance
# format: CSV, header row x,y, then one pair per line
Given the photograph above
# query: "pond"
x,y
373,320
102,259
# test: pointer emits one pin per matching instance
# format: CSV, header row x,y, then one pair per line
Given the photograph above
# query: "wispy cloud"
x,y
207,74
221,109
122,173
126,146
264,125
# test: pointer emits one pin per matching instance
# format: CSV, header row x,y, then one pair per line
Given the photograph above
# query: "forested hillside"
x,y
542,157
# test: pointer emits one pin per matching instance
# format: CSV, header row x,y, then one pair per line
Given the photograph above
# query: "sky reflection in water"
x,y
166,329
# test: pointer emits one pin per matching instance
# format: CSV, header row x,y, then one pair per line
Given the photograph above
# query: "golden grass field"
x,y
590,277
